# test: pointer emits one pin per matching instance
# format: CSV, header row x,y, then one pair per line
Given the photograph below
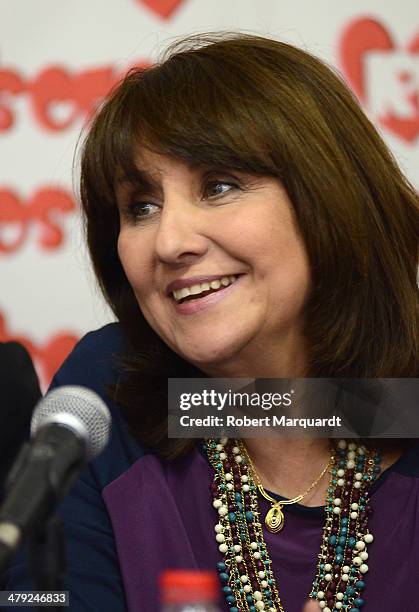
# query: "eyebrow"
x,y
136,177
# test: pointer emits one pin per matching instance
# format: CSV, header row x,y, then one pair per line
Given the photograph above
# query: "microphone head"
x,y
79,409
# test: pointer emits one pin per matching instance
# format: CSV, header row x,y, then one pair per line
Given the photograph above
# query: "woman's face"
x,y
217,265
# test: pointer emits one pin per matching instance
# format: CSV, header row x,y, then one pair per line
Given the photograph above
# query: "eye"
x,y
217,188
138,211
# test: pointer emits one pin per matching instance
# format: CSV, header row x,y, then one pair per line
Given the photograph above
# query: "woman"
x,y
244,220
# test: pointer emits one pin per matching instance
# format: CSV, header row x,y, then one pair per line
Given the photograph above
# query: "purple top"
x,y
163,517
131,515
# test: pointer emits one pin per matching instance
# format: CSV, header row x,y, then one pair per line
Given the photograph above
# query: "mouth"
x,y
202,290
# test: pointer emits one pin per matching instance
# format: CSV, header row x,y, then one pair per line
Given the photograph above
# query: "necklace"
x,y
274,519
245,571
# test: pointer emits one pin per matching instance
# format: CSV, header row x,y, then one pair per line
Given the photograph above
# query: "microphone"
x,y
70,426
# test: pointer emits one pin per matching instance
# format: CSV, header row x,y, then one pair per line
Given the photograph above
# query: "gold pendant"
x,y
274,520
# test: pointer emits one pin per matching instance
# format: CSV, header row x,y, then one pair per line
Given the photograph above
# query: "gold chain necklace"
x,y
274,519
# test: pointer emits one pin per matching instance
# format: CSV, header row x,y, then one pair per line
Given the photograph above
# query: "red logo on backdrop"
x,y
383,74
11,84
163,8
43,209
47,357
58,97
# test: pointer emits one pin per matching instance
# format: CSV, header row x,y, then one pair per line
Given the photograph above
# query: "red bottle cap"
x,y
186,586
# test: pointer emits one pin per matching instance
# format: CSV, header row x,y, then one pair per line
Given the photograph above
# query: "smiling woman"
x,y
199,228
240,155
244,219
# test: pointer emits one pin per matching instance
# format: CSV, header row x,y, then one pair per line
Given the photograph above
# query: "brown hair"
x,y
265,107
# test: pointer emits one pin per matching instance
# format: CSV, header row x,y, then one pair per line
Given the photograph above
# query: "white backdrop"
x,y
58,58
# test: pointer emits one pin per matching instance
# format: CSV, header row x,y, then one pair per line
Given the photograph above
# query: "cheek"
x,y
297,278
293,264
285,262
132,257
123,247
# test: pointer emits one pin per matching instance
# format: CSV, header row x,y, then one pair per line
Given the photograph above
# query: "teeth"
x,y
182,293
224,281
195,289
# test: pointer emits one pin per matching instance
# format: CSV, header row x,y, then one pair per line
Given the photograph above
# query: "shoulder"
x,y
95,363
93,575
408,462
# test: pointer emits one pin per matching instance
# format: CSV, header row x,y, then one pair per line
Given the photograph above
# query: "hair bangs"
x,y
186,112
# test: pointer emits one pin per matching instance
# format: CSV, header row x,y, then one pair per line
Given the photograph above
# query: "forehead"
x,y
157,164
150,167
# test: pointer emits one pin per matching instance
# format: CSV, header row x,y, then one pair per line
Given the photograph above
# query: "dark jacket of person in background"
x,y
19,392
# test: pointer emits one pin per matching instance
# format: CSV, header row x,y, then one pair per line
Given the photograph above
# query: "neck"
x,y
288,466
287,358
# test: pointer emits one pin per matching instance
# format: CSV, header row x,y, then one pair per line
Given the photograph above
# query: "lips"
x,y
198,304
199,290
182,283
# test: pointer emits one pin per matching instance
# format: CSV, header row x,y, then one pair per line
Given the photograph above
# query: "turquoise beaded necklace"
x,y
245,570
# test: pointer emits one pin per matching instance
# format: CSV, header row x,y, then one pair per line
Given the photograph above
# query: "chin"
x,y
213,358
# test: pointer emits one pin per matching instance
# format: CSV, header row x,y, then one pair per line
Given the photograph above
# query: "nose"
x,y
181,236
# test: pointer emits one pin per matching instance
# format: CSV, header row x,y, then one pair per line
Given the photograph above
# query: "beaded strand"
x,y
339,583
246,574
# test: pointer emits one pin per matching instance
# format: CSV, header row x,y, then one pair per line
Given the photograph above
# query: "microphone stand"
x,y
46,557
